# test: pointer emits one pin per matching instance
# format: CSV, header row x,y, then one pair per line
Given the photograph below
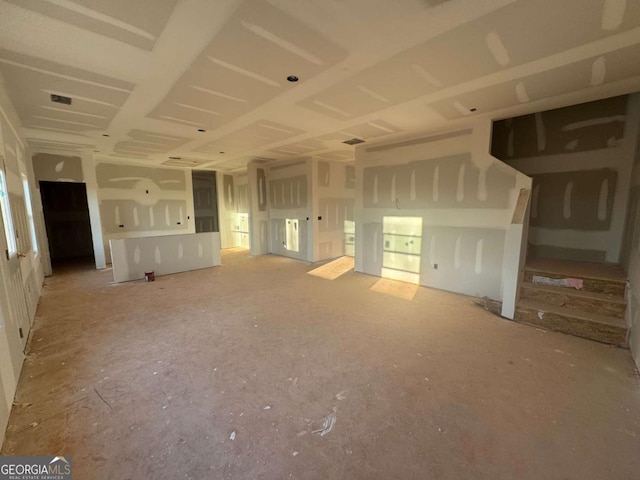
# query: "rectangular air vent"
x,y
353,141
60,99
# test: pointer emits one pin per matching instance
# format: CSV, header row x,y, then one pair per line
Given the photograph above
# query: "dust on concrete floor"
x,y
153,380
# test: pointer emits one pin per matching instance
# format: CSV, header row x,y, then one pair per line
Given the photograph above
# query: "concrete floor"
x,y
153,380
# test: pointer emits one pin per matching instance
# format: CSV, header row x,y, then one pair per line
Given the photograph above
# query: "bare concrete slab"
x,y
256,370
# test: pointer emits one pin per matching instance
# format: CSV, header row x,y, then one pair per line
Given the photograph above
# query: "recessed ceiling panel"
x,y
532,30
30,81
372,129
252,136
57,145
144,143
591,72
513,35
138,23
246,65
185,162
300,148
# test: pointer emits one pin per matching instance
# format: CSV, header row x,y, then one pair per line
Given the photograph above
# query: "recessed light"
x,y
221,153
175,158
473,109
201,130
105,135
292,78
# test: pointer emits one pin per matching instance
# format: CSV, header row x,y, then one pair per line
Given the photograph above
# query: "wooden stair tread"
x,y
574,292
573,313
533,269
573,269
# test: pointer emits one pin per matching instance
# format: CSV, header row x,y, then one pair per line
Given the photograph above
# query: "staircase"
x,y
596,311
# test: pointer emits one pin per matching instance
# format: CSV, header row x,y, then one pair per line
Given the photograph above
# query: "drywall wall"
x,y
20,277
163,255
290,209
630,256
258,195
138,201
57,168
436,210
333,206
580,159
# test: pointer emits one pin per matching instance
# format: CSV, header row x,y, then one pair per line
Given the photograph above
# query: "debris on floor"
x,y
576,283
327,424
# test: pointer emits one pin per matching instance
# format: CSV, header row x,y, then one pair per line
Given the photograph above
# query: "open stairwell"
x,y
549,299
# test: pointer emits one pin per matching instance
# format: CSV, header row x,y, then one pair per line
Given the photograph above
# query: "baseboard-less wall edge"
x,y
132,257
493,306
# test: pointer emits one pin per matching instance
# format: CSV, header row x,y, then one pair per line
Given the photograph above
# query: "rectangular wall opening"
x,y
205,201
292,240
66,216
402,245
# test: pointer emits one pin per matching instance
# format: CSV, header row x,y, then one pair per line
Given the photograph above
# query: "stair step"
x,y
602,303
607,286
602,328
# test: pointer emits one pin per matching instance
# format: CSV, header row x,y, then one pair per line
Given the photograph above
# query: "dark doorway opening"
x,y
66,216
205,201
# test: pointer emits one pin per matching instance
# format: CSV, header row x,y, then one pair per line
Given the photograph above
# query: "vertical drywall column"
x,y
312,215
628,153
91,182
631,250
38,219
190,209
226,208
514,253
314,207
258,208
359,209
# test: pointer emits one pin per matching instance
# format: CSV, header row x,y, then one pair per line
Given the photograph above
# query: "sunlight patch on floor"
x,y
334,269
395,288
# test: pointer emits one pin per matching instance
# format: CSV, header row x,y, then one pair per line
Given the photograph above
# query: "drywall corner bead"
x,y
324,174
520,209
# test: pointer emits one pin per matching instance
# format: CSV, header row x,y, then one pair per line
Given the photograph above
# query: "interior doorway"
x,y
66,217
205,201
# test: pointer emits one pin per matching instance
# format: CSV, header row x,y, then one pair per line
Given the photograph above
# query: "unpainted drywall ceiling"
x,y
152,75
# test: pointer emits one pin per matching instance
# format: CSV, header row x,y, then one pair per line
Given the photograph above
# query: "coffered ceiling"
x,y
203,83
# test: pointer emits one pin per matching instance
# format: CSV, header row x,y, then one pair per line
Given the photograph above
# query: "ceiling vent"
x,y
60,99
354,141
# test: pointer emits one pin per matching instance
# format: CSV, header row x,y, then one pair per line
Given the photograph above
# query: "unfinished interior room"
x,y
321,239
